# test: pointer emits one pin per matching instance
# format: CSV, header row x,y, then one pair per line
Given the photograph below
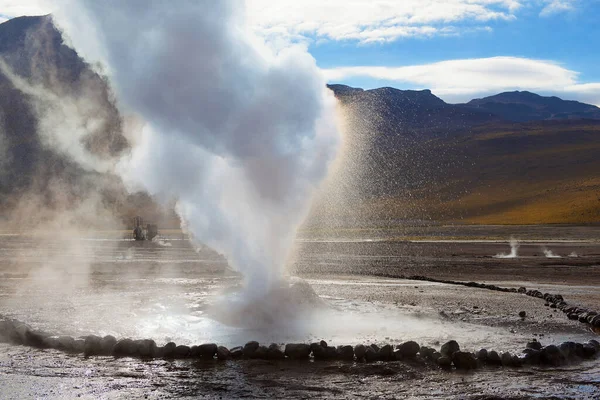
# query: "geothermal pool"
x,y
167,291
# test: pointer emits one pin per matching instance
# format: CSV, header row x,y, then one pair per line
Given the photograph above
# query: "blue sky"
x,y
460,49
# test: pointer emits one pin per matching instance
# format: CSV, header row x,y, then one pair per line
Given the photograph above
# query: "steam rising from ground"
x,y
549,253
66,121
514,250
239,135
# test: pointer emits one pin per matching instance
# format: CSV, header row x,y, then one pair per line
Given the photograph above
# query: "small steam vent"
x,y
143,233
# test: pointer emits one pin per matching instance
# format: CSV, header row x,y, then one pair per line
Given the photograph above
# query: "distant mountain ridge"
x,y
416,114
526,106
517,106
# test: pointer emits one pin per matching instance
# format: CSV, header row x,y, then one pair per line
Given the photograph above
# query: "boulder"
x,y
516,361
506,359
594,343
579,350
482,355
426,352
274,352
78,346
207,351
50,342
35,339
435,356
250,349
522,314
237,352
552,355
146,348
168,351
182,351
444,362
588,351
20,333
223,353
93,346
359,351
65,343
568,349
386,353
534,344
346,353
449,348
494,358
125,347
464,360
409,349
107,345
532,356
7,332
319,351
331,353
160,352
262,353
297,351
370,354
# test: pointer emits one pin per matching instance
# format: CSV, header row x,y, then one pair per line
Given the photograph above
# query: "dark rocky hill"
x,y
526,106
412,113
34,172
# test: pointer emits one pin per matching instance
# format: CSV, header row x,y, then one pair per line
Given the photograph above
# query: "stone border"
x,y
581,314
448,357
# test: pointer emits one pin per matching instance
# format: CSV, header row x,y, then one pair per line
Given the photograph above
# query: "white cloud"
x,y
460,80
376,20
557,6
368,21
364,21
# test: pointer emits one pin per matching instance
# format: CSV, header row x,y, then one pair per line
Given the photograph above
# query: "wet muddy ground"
x,y
165,291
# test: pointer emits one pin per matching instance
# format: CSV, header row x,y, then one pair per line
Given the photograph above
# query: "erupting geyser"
x,y
239,134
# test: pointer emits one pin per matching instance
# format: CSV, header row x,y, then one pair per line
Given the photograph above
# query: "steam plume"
x,y
549,253
238,134
514,250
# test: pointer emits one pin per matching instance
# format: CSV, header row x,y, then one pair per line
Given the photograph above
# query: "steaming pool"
x,y
171,291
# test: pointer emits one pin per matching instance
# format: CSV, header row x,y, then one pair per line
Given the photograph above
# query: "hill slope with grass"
x,y
489,170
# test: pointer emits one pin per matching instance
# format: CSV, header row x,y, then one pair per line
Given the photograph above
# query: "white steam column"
x,y
239,134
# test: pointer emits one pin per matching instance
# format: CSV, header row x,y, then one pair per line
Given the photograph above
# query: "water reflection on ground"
x,y
167,293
